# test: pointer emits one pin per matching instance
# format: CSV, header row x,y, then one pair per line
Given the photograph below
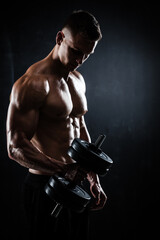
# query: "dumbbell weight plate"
x,y
87,163
71,196
88,155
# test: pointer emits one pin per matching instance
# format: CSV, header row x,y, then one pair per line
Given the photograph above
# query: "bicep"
x,y
22,121
23,111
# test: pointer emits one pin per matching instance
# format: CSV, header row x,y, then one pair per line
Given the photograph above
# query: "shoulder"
x,y
29,91
78,75
80,78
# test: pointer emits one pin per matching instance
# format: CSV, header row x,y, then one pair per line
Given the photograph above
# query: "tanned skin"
x,y
46,112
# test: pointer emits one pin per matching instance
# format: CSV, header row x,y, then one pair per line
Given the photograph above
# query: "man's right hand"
x,y
75,173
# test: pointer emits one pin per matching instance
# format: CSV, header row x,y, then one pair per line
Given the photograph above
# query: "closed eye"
x,y
75,51
79,53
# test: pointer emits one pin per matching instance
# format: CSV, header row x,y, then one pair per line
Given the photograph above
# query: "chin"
x,y
72,68
76,67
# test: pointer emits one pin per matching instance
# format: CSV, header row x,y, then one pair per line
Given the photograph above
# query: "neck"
x,y
59,68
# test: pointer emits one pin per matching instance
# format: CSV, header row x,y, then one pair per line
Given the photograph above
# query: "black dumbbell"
x,y
70,195
90,156
66,194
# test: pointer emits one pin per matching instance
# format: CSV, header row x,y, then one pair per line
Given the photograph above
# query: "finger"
x,y
71,171
103,199
93,192
99,198
98,206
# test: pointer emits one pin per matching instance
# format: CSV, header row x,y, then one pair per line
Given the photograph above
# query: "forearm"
x,y
84,134
23,151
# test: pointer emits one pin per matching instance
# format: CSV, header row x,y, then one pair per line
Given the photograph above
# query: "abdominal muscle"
x,y
53,139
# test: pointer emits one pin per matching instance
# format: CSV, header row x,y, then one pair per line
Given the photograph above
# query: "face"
x,y
74,50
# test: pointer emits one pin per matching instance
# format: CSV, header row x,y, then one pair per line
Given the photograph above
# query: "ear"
x,y
59,38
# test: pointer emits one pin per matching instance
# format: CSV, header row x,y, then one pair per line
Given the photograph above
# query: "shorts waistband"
x,y
36,179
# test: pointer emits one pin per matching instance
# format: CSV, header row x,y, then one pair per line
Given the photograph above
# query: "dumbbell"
x,y
68,194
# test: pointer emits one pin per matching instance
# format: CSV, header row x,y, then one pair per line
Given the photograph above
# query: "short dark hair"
x,y
83,22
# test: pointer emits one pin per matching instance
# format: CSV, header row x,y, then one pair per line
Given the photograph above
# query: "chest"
x,y
65,99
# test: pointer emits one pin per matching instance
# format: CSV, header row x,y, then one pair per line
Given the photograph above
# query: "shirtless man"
x,y
46,112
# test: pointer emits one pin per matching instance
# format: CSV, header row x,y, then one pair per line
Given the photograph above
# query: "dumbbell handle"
x,y
98,143
56,210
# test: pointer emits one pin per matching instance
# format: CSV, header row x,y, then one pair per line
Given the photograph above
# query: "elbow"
x,y
11,151
11,156
12,146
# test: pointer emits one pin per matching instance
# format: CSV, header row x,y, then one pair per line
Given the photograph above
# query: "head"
x,y
78,38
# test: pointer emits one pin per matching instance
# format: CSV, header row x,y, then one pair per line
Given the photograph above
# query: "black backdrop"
x,y
122,79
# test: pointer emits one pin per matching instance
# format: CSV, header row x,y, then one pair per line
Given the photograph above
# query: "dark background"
x,y
122,79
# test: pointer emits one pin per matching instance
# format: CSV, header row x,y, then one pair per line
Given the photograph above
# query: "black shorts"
x,y
38,207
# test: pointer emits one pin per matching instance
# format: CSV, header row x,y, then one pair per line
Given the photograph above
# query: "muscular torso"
x,y
45,114
60,116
